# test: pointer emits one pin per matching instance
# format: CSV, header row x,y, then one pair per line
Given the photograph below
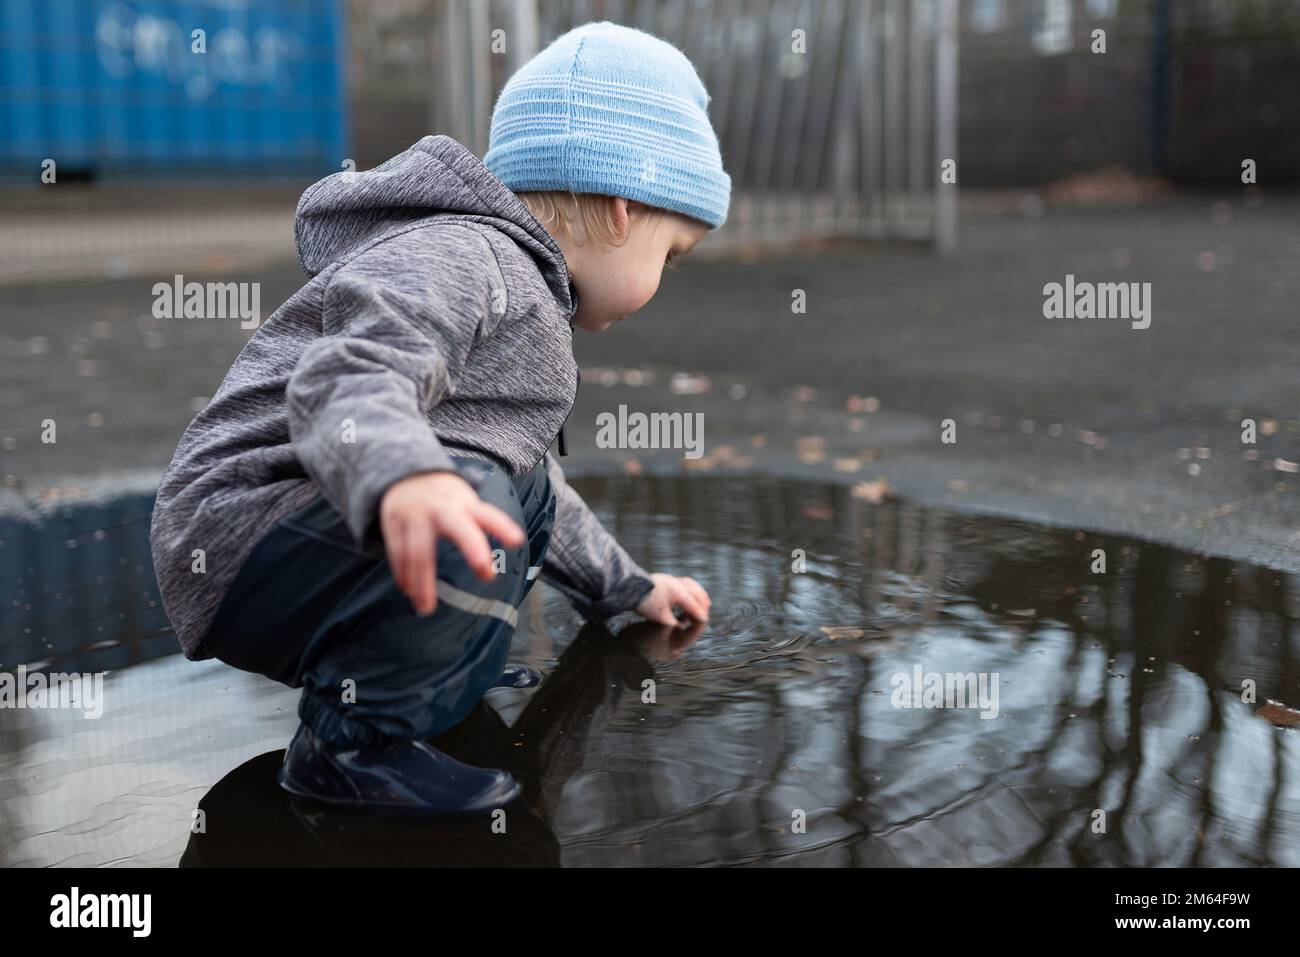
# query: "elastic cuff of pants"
x,y
336,728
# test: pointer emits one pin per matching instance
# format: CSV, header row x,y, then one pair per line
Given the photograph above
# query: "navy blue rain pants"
x,y
311,611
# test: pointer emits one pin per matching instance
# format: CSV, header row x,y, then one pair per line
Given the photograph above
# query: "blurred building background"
x,y
190,126
1181,84
1182,87
115,89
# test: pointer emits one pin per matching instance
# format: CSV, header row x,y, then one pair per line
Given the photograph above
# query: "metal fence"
x,y
833,115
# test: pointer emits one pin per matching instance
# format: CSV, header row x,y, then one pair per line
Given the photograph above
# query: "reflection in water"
x,y
247,820
1118,693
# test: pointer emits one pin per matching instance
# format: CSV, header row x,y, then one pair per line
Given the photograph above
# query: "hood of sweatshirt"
x,y
435,177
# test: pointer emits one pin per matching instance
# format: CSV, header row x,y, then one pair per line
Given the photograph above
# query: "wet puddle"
x,y
815,720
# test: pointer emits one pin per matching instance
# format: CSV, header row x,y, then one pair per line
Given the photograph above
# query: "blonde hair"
x,y
559,210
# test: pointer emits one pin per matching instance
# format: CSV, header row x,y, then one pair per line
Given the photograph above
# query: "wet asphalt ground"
x,y
1085,422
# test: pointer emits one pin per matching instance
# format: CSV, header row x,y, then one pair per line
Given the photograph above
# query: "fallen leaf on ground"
x,y
873,492
810,448
683,383
836,632
1279,714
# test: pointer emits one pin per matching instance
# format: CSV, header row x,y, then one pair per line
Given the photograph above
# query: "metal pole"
x,y
480,51
894,25
918,122
845,148
872,187
524,42
945,108
450,76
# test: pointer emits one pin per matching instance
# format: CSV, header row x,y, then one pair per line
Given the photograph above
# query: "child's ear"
x,y
618,214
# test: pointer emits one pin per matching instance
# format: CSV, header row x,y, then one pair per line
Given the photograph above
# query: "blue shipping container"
x,y
123,88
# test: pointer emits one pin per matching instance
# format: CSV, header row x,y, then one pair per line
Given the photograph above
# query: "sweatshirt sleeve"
x,y
584,561
398,323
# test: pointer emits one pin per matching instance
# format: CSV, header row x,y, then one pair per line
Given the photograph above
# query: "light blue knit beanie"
x,y
612,110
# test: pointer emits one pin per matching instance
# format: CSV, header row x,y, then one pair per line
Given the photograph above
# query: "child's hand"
x,y
415,512
668,591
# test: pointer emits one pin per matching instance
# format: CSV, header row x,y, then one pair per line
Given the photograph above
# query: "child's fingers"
x,y
420,567
689,603
657,607
498,524
663,614
393,534
399,561
471,541
698,591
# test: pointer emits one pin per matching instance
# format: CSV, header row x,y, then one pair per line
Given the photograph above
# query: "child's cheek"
x,y
648,287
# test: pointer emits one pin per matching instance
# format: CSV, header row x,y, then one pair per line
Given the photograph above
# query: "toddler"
x,y
365,502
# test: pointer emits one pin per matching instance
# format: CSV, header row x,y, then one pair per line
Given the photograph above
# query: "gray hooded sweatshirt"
x,y
438,320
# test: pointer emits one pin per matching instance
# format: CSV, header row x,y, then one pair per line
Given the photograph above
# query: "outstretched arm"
x,y
587,563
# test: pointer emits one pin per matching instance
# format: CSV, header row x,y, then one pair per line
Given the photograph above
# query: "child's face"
x,y
614,282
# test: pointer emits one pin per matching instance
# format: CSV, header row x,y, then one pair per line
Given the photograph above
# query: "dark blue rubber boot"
x,y
410,778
